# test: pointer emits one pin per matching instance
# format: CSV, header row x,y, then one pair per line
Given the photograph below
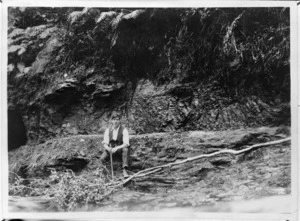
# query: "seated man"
x,y
116,138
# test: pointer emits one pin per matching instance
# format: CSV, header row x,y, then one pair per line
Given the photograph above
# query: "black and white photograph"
x,y
150,109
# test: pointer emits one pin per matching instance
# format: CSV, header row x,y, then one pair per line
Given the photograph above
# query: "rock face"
x,y
194,107
68,69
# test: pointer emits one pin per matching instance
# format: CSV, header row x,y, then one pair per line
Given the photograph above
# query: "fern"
x,y
115,22
106,16
74,16
134,14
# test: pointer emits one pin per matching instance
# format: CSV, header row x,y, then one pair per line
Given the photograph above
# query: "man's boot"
x,y
125,174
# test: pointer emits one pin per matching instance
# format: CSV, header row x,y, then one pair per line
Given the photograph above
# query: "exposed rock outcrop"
x,y
259,173
82,152
68,69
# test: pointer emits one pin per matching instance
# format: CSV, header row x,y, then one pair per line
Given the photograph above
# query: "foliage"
x,y
23,17
232,46
259,58
66,190
19,186
235,47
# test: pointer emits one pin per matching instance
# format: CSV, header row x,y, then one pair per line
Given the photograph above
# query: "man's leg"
x,y
125,156
104,156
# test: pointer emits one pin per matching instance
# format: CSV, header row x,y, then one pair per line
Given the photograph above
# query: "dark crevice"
x,y
16,130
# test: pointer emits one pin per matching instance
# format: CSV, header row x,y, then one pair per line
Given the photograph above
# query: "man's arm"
x,y
125,141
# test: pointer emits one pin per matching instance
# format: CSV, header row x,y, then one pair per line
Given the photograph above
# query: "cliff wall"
x,y
164,69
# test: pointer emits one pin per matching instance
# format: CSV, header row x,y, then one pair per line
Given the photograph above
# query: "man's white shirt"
x,y
115,136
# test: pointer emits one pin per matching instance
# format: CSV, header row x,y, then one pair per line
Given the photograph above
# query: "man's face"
x,y
115,122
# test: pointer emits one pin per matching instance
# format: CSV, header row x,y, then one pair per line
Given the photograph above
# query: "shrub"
x,y
66,190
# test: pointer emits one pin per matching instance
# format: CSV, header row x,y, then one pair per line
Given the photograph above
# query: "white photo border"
x,y
295,100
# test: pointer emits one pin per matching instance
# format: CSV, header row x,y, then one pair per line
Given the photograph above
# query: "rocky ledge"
x,y
262,172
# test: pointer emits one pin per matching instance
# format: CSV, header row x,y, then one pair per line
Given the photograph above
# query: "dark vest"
x,y
119,140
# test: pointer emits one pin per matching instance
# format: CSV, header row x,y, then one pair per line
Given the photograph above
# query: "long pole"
x,y
111,165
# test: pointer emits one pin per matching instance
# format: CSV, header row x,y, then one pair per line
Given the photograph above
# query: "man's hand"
x,y
107,148
113,150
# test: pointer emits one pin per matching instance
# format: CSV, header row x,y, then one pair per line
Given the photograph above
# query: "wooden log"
x,y
226,151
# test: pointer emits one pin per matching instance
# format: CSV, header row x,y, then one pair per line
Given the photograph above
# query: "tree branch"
x,y
235,152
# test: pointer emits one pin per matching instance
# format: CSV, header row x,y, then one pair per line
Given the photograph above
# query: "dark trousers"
x,y
125,156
